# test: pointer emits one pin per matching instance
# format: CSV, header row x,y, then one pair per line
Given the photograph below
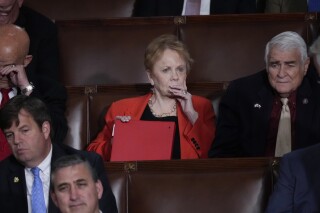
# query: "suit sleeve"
x,y
282,198
48,54
107,203
227,140
54,95
202,133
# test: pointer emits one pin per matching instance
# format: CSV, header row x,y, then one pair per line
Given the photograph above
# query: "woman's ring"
x,y
185,92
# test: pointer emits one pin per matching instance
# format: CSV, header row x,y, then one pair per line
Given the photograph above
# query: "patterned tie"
x,y
37,197
5,96
314,5
193,7
283,144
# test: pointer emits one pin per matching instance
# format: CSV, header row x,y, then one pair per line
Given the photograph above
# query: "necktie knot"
x,y
5,90
5,96
285,106
284,101
35,171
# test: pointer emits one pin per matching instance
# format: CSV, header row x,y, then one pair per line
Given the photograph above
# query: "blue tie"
x,y
37,197
314,5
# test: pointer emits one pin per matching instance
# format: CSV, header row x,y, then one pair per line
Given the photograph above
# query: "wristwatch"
x,y
27,89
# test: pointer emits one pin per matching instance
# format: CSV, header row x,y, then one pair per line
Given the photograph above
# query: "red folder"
x,y
142,140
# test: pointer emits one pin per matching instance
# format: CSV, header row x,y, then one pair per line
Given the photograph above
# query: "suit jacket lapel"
x,y
262,108
304,114
17,184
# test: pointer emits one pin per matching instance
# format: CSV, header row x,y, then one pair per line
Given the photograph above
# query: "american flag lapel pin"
x,y
16,180
305,101
257,106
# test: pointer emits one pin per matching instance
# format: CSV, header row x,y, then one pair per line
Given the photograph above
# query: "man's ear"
x,y
150,77
99,188
20,2
306,65
46,128
27,60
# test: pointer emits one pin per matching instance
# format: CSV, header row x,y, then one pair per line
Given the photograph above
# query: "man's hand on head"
x,y
16,74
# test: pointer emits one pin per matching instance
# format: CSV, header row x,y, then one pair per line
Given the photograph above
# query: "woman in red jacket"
x,y
167,64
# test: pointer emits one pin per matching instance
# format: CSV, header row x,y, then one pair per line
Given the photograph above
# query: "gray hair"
x,y
287,41
71,160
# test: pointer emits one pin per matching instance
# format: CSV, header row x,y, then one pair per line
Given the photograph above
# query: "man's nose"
x,y
74,193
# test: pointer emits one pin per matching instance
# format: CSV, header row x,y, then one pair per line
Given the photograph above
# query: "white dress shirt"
x,y
12,93
204,7
45,169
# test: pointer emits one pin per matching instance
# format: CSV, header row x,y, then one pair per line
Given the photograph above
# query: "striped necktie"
x,y
37,197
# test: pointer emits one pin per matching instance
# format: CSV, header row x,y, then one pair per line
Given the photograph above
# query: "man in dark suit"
x,y
14,58
250,110
147,8
298,186
26,124
43,35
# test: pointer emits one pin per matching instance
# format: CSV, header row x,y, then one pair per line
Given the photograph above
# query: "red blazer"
x,y
195,140
5,150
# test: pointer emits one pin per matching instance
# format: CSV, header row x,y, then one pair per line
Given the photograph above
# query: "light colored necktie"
x,y
193,7
283,144
37,197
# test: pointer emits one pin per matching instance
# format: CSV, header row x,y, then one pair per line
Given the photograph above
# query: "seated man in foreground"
x,y
75,186
25,175
273,111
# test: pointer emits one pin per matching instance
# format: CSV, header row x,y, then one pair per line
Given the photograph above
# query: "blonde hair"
x,y
157,46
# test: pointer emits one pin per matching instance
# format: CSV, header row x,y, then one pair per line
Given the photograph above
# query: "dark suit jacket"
x,y
146,8
43,69
13,195
298,186
54,95
43,43
244,114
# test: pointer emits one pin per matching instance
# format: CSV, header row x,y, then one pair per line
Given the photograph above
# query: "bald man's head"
x,y
14,44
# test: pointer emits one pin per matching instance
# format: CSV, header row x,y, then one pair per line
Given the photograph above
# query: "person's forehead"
x,y
24,118
279,52
74,173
